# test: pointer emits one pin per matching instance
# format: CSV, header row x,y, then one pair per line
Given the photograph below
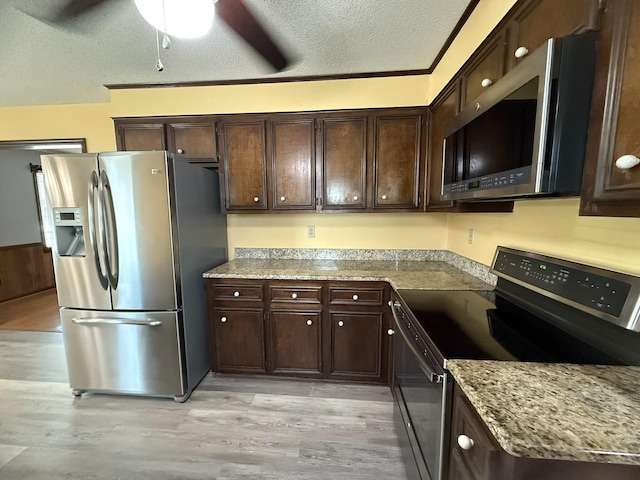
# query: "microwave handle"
x,y
444,151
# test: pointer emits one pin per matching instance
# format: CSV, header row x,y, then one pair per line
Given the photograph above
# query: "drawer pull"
x,y
309,322
236,294
294,295
223,319
355,298
521,52
466,443
340,323
486,82
390,332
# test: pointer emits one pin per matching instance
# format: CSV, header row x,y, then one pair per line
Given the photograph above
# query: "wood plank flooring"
x,y
37,313
232,427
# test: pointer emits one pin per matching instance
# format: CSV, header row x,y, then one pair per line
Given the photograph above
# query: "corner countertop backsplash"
x,y
422,269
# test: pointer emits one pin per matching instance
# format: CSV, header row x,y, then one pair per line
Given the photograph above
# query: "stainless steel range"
x,y
542,309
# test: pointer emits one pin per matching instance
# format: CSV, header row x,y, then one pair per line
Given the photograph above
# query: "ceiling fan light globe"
x,y
184,18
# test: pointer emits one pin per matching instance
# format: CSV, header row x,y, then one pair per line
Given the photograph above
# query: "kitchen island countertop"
x,y
556,411
430,275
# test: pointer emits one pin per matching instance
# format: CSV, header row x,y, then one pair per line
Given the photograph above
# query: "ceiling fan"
x,y
232,12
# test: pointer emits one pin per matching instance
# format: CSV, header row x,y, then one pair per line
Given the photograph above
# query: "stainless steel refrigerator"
x,y
133,233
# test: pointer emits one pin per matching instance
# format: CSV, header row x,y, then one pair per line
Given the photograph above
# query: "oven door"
x,y
421,395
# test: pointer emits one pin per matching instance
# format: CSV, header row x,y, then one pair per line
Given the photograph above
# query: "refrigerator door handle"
x,y
93,185
109,219
116,321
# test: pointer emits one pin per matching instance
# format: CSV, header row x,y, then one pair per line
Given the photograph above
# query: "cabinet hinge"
x,y
602,4
319,201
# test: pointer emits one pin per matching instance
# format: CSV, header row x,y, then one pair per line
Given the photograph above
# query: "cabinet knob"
x,y
355,298
256,199
283,198
521,52
180,150
384,197
390,332
223,319
626,162
390,303
466,443
486,82
309,322
340,323
236,294
294,295
355,198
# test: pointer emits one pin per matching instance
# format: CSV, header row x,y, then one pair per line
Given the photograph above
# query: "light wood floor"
x,y
37,313
232,427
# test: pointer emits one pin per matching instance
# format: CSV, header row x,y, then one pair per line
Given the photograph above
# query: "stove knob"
x,y
466,443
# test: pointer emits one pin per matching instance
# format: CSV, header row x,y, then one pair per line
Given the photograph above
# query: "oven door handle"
x,y
433,376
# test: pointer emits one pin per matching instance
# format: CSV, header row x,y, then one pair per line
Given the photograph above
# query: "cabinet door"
x,y
399,155
293,164
614,129
140,136
296,338
356,344
244,160
535,21
441,113
194,141
238,340
485,69
344,163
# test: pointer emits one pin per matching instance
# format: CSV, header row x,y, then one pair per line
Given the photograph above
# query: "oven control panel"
x,y
601,291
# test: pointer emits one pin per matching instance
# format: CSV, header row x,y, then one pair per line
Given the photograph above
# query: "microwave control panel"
x,y
511,178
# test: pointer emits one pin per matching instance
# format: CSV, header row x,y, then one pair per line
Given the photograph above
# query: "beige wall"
x,y
550,226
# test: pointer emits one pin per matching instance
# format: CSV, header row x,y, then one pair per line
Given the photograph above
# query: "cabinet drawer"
x,y
244,293
295,293
356,295
477,458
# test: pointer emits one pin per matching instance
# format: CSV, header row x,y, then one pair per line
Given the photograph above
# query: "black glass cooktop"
x,y
485,325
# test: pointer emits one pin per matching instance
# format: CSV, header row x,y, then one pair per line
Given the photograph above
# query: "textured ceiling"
x,y
42,64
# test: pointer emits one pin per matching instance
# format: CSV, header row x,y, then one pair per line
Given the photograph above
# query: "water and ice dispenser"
x,y
69,231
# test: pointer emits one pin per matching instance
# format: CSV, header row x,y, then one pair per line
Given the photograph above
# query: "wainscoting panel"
x,y
25,269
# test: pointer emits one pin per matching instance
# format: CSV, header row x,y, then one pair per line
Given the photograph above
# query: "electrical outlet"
x,y
311,231
470,237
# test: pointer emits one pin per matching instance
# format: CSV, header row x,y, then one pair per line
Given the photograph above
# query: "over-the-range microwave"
x,y
526,135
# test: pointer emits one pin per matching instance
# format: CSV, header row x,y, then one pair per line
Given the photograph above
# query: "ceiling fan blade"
x,y
74,8
235,14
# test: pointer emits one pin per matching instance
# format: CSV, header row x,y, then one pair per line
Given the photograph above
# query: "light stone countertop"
x,y
428,274
557,411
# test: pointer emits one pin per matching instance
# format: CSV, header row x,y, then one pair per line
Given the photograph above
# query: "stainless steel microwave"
x,y
526,135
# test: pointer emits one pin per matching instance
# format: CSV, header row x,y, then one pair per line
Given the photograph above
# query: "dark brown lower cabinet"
x,y
238,340
484,459
296,343
356,345
311,329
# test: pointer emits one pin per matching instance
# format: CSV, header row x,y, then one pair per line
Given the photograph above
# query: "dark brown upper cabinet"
x,y
139,134
486,68
399,160
191,137
611,190
293,163
344,162
244,159
195,141
533,22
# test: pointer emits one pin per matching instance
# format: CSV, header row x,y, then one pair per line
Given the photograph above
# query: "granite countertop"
x,y
428,274
557,411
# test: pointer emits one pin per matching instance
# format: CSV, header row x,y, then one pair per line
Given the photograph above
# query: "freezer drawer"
x,y
124,352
